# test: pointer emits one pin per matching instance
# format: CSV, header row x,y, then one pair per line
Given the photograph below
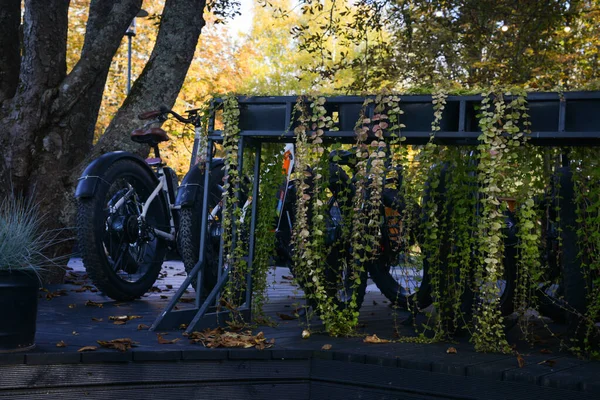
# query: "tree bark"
x,y
10,44
161,80
48,124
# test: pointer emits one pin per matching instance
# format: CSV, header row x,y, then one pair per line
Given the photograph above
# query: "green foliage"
x,y
234,246
472,43
586,175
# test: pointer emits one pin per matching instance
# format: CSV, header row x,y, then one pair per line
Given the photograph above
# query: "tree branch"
x,y
99,49
163,75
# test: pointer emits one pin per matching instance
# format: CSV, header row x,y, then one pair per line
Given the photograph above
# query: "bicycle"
x,y
128,211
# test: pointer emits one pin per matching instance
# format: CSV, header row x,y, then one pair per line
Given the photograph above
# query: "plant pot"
x,y
18,310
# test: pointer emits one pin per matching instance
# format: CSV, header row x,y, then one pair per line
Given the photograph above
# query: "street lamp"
x,y
130,34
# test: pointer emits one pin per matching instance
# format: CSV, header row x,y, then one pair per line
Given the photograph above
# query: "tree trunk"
x,y
161,79
48,120
10,43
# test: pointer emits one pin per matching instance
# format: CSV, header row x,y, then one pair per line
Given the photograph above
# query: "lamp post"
x,y
130,34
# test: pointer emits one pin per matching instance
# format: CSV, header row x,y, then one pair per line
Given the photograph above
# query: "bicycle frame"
x,y
161,187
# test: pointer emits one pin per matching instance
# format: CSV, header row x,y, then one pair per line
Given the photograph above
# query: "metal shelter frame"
x,y
565,119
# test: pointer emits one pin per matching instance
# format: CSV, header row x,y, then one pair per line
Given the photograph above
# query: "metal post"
x,y
130,34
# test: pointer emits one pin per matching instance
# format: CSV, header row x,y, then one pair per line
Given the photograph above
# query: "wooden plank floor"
x,y
63,316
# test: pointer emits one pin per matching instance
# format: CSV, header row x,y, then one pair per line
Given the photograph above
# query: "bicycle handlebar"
x,y
163,111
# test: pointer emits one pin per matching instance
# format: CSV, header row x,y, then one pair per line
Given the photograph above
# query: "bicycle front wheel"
x,y
121,252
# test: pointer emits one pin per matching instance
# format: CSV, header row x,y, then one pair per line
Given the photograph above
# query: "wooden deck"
x,y
293,368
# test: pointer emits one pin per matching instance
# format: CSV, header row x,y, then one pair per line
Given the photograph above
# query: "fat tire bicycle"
x,y
128,212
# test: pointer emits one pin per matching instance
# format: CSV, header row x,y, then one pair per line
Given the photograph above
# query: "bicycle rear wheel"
x,y
122,254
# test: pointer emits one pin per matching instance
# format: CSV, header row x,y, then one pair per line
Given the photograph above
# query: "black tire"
x,y
188,237
401,283
121,262
398,275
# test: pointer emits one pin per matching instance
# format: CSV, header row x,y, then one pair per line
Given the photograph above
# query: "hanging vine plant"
x,y
234,247
586,175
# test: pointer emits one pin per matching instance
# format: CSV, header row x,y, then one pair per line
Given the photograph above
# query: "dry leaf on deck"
x,y
549,363
305,334
187,300
213,338
90,303
520,361
122,319
61,344
123,344
87,348
142,327
451,350
286,317
97,319
375,339
162,340
326,347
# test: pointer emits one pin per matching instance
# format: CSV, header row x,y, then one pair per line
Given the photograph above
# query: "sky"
x,y
243,22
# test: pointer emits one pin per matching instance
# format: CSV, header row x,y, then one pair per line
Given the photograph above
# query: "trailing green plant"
x,y
233,249
270,179
586,178
504,125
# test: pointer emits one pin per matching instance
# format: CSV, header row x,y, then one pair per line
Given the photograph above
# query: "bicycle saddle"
x,y
151,136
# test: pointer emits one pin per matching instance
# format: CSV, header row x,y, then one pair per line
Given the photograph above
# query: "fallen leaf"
x,y
123,344
286,317
72,305
218,337
236,325
326,347
375,339
305,334
162,340
550,363
375,303
183,327
97,319
155,289
520,361
187,300
87,348
61,344
451,350
142,327
169,286
546,351
90,303
162,296
74,333
288,277
57,293
84,288
122,319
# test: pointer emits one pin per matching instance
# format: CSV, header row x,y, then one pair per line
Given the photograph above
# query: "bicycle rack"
x,y
567,119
